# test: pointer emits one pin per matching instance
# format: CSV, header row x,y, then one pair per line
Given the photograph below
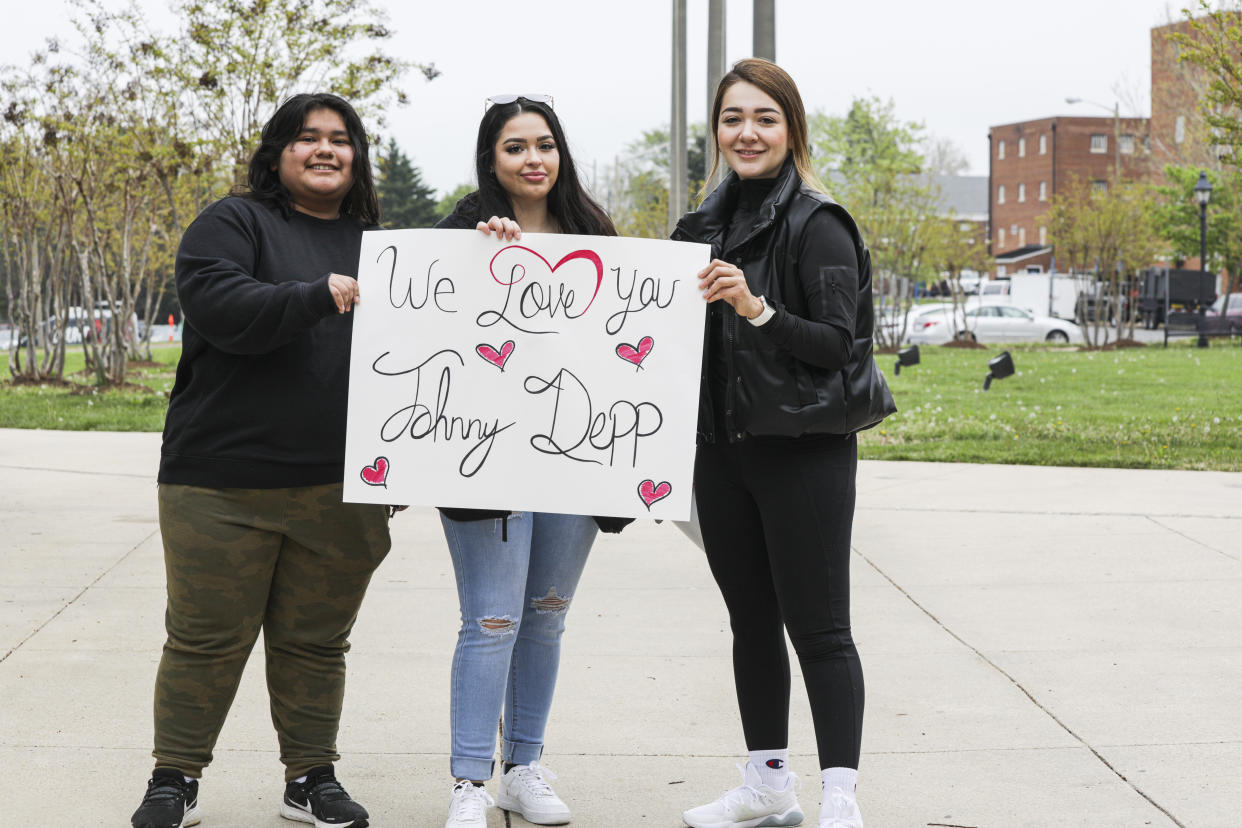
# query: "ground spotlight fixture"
x,y
998,368
907,357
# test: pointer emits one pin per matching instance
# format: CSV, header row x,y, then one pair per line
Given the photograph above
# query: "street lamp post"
x,y
1203,194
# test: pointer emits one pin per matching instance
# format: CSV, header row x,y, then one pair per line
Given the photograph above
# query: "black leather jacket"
x,y
771,392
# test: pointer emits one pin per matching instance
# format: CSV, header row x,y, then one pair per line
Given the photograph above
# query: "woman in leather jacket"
x,y
788,379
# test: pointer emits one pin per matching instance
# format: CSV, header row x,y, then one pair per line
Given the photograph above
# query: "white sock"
x,y
300,779
773,767
844,778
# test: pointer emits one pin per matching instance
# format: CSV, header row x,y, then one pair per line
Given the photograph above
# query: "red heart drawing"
x,y
636,355
651,493
376,474
590,255
497,358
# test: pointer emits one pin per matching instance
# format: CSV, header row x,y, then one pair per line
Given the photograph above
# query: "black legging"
x,y
776,517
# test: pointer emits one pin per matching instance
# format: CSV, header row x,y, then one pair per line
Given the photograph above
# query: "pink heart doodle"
x,y
590,255
497,358
636,355
651,493
376,474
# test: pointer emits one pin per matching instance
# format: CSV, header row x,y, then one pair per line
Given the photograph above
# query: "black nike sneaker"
x,y
321,801
171,802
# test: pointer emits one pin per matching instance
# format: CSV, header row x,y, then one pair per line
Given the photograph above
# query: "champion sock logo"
x,y
775,764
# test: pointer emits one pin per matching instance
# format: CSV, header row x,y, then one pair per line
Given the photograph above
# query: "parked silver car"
x,y
992,323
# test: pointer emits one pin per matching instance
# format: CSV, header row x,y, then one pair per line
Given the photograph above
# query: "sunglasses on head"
x,y
496,100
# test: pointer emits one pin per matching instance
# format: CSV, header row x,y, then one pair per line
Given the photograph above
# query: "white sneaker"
x,y
525,790
752,805
840,810
468,806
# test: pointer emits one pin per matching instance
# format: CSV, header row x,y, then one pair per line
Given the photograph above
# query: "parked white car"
x,y
892,321
993,323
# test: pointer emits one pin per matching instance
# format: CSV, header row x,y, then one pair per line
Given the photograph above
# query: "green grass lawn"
x,y
1157,408
85,408
1149,408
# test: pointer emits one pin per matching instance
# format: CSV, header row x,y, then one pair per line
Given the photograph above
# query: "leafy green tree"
x,y
236,60
405,200
114,143
1107,232
1215,45
636,193
446,204
883,169
1177,215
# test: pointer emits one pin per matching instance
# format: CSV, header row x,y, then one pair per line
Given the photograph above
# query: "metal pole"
x,y
677,122
765,29
715,71
1203,342
1117,141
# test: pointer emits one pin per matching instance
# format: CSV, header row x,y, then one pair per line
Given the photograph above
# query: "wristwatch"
x,y
764,315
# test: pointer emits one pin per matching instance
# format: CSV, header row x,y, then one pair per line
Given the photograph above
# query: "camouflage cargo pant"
x,y
292,562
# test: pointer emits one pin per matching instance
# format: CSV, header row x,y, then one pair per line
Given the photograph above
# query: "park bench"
x,y
1189,323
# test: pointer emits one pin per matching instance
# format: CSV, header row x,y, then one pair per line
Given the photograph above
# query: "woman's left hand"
x,y
721,280
505,229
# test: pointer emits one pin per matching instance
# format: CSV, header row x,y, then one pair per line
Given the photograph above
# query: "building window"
x,y
1013,229
1000,151
1099,187
1043,236
1021,192
1043,144
1043,191
1021,237
1000,237
1126,145
1179,131
1000,194
1099,143
1022,148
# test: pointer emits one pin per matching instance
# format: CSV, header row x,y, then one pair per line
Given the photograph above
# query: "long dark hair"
x,y
263,181
776,83
568,202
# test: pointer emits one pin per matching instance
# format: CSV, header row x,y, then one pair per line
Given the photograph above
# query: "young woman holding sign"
x,y
788,379
516,571
255,535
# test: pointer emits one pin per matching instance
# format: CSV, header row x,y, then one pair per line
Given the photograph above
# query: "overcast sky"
x,y
958,66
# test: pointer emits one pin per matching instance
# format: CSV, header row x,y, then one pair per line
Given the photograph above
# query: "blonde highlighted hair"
x,y
776,83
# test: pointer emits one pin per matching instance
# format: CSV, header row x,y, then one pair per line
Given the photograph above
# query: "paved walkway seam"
x,y
75,598
1018,685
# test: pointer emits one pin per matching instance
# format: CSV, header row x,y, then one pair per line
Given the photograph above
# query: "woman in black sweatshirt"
x,y
255,534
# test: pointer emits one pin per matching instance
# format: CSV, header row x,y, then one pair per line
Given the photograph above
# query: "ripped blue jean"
x,y
514,595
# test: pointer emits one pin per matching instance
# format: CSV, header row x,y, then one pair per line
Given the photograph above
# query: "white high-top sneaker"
x,y
750,805
840,810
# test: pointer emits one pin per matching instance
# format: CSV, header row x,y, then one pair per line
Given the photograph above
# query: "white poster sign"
x,y
557,373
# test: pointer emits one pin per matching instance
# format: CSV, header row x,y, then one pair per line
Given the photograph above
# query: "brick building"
x,y
1179,133
1032,161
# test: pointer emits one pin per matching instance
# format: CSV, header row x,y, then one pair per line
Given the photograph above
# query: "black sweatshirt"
x,y
260,395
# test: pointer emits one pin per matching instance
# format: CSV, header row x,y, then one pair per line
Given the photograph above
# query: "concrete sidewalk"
x,y
1042,647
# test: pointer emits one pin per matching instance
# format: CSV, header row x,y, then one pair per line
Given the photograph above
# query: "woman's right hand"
x,y
504,228
344,292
